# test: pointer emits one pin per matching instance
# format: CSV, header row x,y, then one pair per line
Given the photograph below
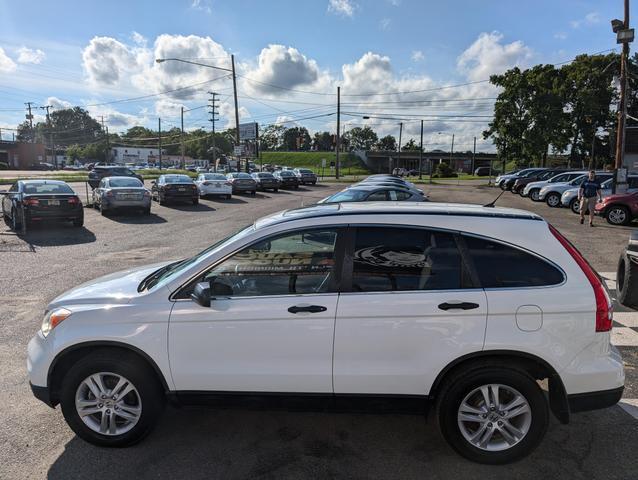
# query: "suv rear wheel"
x,y
111,400
492,414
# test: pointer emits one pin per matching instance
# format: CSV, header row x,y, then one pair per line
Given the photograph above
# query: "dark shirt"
x,y
590,188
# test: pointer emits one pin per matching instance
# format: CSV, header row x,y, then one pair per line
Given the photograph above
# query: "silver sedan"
x,y
121,192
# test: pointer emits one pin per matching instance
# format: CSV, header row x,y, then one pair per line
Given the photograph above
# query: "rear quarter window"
x,y
503,266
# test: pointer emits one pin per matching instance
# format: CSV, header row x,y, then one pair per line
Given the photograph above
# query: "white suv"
x,y
468,307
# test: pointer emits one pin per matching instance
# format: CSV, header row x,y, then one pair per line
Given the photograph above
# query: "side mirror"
x,y
201,294
219,289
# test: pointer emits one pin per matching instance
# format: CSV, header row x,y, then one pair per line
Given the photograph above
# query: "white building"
x,y
133,155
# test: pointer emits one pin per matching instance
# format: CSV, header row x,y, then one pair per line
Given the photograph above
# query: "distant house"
x,y
19,156
124,155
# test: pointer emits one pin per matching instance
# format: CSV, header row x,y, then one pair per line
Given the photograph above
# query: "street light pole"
x,y
399,147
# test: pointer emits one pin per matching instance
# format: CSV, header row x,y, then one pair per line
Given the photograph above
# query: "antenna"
x,y
491,204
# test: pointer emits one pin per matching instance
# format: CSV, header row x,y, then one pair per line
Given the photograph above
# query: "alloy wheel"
x,y
108,403
534,195
617,216
494,417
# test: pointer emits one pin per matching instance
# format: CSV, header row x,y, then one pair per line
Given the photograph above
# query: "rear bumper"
x,y
244,188
35,215
143,203
582,402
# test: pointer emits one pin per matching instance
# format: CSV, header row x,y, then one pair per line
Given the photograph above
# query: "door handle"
x,y
458,306
307,308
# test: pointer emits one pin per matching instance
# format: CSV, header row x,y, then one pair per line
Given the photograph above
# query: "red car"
x,y
619,209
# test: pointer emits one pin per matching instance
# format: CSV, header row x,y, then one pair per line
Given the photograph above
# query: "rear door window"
x,y
377,196
404,259
503,266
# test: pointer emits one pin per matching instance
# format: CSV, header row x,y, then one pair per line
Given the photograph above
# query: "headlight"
x,y
53,318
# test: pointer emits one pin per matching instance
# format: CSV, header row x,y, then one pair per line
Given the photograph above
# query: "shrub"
x,y
443,170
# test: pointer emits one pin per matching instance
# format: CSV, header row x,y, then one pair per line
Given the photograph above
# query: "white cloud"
x,y
487,56
560,35
591,18
28,55
58,104
384,24
283,66
139,39
394,3
116,120
341,7
417,56
6,64
156,77
106,59
202,5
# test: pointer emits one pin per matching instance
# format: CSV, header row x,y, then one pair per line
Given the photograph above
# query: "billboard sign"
x,y
248,131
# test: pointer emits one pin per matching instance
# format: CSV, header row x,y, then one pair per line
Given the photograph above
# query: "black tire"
x,y
228,197
618,215
159,200
103,211
574,206
16,224
253,193
627,281
552,199
78,222
533,194
132,368
147,211
462,382
195,201
275,190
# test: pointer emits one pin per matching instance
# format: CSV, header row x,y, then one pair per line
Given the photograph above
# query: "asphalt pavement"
x,y
196,442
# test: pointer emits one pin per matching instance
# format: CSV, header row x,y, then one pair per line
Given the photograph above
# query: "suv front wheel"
x,y
492,415
111,400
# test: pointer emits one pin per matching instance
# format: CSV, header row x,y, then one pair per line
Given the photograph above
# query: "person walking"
x,y
589,191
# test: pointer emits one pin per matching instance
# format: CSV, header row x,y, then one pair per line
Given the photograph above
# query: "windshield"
x,y
286,173
174,269
121,171
177,179
213,176
305,170
349,195
265,175
578,180
124,182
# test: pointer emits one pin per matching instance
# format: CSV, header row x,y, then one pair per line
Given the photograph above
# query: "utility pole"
x,y
399,146
622,106
213,118
108,147
421,154
182,163
237,139
473,158
338,142
30,118
159,141
452,151
51,146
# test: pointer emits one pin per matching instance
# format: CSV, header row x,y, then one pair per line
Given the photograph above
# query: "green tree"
x,y
272,137
297,138
387,143
410,146
588,91
322,141
361,138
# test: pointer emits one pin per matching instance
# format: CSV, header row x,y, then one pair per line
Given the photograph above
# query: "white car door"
x,y
272,329
412,310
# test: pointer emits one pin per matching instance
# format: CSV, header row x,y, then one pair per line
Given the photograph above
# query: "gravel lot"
x,y
208,443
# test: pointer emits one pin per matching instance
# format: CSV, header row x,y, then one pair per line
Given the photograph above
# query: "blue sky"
x,y
70,52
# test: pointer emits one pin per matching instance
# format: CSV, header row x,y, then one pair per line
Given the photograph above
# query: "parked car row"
x,y
378,188
117,187
560,188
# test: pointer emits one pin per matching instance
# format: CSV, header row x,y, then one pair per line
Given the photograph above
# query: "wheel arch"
x,y
69,355
535,366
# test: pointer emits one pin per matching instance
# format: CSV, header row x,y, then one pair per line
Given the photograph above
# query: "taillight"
x,y
31,202
206,183
73,200
604,309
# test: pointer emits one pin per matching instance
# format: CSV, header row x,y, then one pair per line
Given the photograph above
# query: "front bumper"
x,y
582,402
565,200
39,357
43,394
